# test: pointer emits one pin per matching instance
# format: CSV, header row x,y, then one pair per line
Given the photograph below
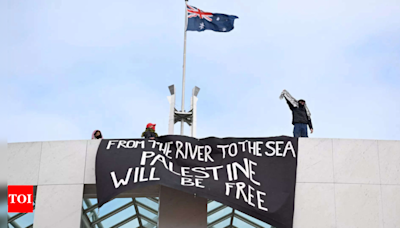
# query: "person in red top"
x,y
150,132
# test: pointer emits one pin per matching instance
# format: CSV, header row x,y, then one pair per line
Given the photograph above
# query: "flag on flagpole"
x,y
199,20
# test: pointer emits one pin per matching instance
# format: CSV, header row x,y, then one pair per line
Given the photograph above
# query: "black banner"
x,y
256,176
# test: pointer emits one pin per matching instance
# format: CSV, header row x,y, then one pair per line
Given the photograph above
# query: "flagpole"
x,y
184,70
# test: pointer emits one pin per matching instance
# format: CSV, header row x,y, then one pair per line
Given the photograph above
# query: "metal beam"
x,y
216,210
14,223
149,220
137,212
95,217
219,220
153,199
147,207
85,220
233,213
15,217
114,212
247,221
151,225
124,221
91,208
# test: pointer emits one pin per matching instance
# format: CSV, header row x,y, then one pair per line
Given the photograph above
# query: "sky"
x,y
70,67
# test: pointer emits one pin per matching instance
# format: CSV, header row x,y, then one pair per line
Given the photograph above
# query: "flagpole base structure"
x,y
179,209
176,116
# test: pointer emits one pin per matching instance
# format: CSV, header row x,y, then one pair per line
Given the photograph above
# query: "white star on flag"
x,y
224,29
217,18
201,25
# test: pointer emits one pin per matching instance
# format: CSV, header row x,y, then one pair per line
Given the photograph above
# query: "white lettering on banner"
x,y
199,153
233,150
185,172
122,181
131,144
153,145
142,144
170,166
189,182
260,200
121,143
179,146
215,171
136,176
208,151
247,170
160,158
252,147
167,150
201,170
152,172
145,155
110,143
125,144
240,171
289,146
275,151
241,193
171,169
274,148
223,147
251,189
139,175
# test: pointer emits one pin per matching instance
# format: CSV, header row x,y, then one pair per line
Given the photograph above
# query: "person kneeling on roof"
x,y
97,134
150,132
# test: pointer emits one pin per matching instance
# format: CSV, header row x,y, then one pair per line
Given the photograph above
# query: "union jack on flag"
x,y
198,20
194,12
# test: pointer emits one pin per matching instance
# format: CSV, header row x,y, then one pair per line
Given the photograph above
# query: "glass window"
x,y
121,212
220,216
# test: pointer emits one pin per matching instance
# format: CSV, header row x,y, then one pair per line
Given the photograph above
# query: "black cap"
x,y
302,100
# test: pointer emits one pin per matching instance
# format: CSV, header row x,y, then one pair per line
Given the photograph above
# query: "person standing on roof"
x,y
150,132
97,134
301,115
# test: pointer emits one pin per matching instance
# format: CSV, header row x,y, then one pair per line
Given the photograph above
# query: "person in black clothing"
x,y
150,132
301,115
97,134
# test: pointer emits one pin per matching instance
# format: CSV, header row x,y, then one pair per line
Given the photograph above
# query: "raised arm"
x,y
290,104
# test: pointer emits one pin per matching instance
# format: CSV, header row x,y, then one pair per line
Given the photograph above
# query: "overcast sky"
x,y
70,67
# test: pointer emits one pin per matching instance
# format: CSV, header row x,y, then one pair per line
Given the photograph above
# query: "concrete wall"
x,y
348,183
340,183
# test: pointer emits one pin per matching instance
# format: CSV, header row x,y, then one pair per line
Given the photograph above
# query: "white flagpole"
x,y
184,70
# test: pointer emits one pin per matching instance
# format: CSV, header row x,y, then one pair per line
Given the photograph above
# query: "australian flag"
x,y
199,20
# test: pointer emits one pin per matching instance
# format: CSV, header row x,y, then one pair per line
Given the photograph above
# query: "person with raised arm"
x,y
301,115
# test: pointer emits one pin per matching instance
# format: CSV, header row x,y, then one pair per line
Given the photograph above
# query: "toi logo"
x,y
20,199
